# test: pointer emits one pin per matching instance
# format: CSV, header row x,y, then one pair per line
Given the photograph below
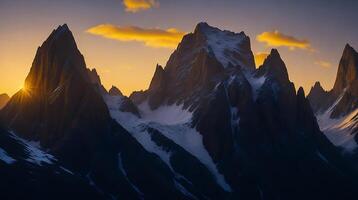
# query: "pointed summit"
x,y
317,96
114,91
347,70
61,34
95,79
59,107
274,66
57,60
201,26
348,48
158,78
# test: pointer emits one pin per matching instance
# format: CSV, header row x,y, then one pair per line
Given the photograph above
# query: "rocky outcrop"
x,y
114,91
96,81
4,98
317,96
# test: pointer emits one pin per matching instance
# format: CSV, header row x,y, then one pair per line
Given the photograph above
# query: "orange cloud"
x,y
151,37
323,64
277,39
260,58
139,5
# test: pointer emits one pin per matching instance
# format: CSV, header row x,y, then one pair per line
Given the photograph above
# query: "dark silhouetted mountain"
x,y
58,106
4,98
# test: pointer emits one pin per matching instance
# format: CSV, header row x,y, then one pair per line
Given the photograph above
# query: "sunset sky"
x,y
125,39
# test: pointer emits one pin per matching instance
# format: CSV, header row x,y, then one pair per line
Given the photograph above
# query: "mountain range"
x,y
211,125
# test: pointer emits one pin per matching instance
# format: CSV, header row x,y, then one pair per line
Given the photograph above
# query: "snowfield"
x,y
339,131
35,154
172,121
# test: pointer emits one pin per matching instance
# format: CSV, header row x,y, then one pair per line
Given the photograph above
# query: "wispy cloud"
x,y
139,5
151,37
323,64
260,58
277,39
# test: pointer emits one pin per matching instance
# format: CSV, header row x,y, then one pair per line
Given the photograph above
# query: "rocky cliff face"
x,y
347,74
96,81
336,109
114,91
4,98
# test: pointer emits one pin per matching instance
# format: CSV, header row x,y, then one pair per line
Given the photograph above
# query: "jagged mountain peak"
x,y
204,27
95,80
63,35
301,92
114,91
93,75
159,68
348,48
56,61
316,88
317,84
274,66
347,73
228,47
62,28
158,78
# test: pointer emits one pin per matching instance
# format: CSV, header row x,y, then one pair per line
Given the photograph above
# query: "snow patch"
x,y
224,45
4,156
255,82
167,114
35,154
339,130
179,132
192,141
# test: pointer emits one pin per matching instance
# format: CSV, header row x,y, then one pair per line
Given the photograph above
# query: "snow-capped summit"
x,y
230,48
201,56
